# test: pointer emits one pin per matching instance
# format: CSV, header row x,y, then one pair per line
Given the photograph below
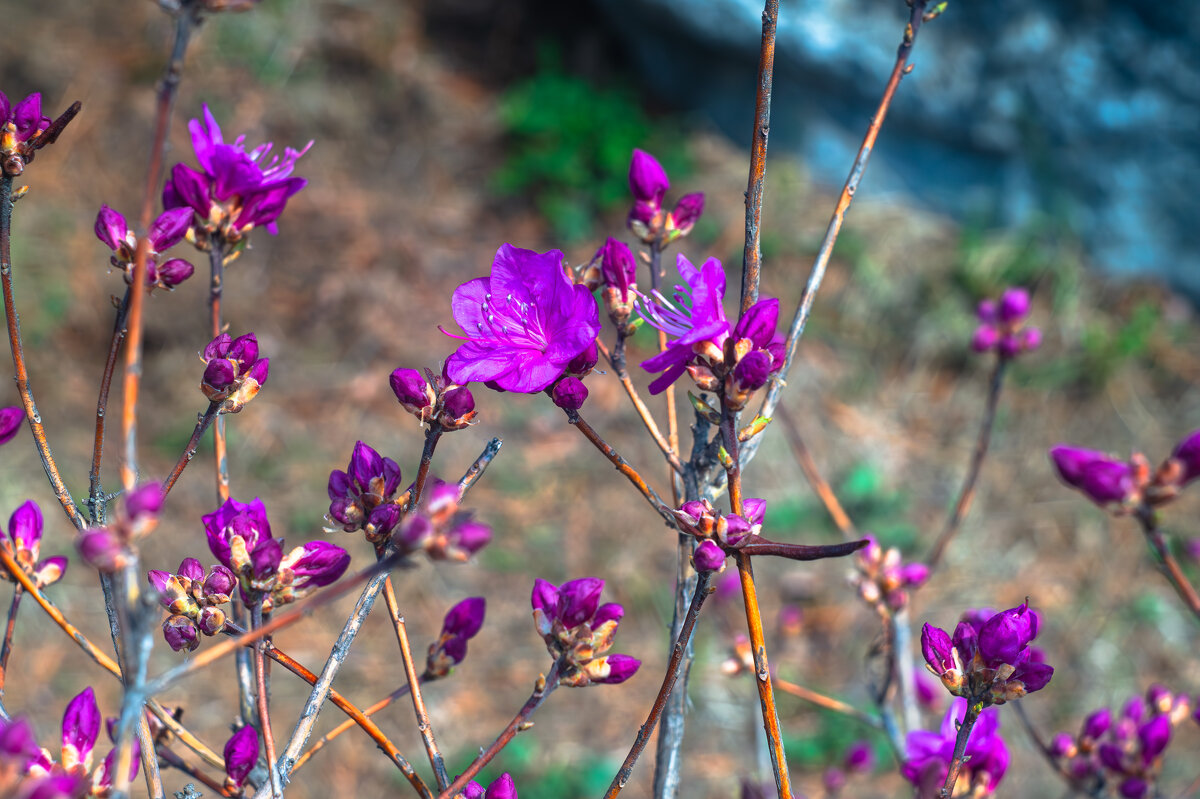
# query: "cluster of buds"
x,y
241,756
648,219
10,423
569,393
1002,325
1126,751
461,624
433,399
441,529
578,630
108,548
166,231
18,749
859,759
233,372
239,535
364,496
234,191
74,775
929,755
24,544
500,788
1124,486
24,131
735,360
989,660
882,576
193,599
718,534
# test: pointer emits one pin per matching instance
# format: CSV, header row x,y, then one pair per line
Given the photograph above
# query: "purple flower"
x,y
569,393
26,120
618,269
80,729
928,755
181,633
412,391
363,497
315,565
10,423
578,630
1097,723
241,755
462,623
859,758
233,373
237,190
25,531
232,521
992,663
1001,325
18,745
648,183
1187,453
687,212
523,324
501,788
165,232
611,669
1098,476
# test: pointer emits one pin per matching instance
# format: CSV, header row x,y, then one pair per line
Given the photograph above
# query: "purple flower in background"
x,y
859,758
928,754
241,755
578,630
165,232
881,575
233,372
462,623
1187,452
441,529
524,323
501,788
1102,478
1001,325
364,496
235,190
25,544
10,423
80,729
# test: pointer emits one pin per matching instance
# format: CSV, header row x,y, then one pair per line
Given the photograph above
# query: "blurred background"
x,y
1041,144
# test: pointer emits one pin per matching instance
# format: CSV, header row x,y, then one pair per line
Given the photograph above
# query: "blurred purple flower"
x,y
928,754
10,423
500,788
992,664
462,623
1001,325
233,372
1101,478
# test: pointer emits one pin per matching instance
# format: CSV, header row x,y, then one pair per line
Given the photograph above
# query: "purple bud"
x,y
986,312
169,228
144,501
1154,735
1134,788
914,574
1010,346
1160,698
647,179
502,788
708,557
218,586
466,618
191,569
754,510
10,423
17,741
244,349
985,338
758,322
569,393
410,389
102,548
1135,709
259,371
1099,477
27,116
110,227
578,600
1113,757
180,633
471,536
834,781
1097,723
458,402
365,464
220,373
1061,744
860,758
212,620
58,786
687,212
80,726
49,571
241,755
473,790
1031,339
736,528
25,527
265,558
174,272
1034,676
617,267
544,597
1014,305
936,647
609,611
1187,453
217,348
695,509
317,564
1006,634
584,362
619,668
188,187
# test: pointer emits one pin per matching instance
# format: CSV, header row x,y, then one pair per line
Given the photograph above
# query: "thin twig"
x,y
752,253
6,650
178,763
96,503
432,436
1166,562
345,725
967,492
647,729
622,466
216,262
812,474
477,468
202,424
264,708
20,372
1043,748
616,359
542,689
827,702
960,747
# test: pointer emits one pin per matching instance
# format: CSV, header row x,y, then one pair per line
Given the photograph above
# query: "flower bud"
x,y
569,393
612,669
180,633
412,391
25,529
708,557
687,212
618,269
648,181
583,363
458,408
10,423
102,549
1014,305
49,571
1099,477
986,337
218,586
241,755
1187,453
317,564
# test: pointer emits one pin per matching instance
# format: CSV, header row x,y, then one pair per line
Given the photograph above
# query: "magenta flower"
x,y
928,754
523,324
578,630
618,269
235,190
24,131
648,182
10,423
500,788
233,373
241,755
1001,325
364,496
25,544
1102,478
193,599
165,232
462,623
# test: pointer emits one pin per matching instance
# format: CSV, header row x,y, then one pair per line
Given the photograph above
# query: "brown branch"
x,y
827,702
345,725
812,474
752,253
264,707
202,424
616,359
96,504
622,466
1166,562
216,263
176,762
472,475
6,649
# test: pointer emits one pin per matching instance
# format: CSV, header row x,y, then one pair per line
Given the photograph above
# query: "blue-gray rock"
x,y
1083,111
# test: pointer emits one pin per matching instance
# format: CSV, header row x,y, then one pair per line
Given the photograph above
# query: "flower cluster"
x,y
648,220
736,359
462,623
24,131
989,659
233,372
24,543
500,788
364,496
108,548
1122,486
165,232
1001,325
434,399
234,191
194,600
18,749
523,324
10,423
1126,751
578,630
241,756
928,755
718,534
441,529
881,576
239,535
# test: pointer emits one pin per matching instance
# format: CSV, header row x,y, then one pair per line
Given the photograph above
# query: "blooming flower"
x,y
524,323
1001,325
500,788
928,755
697,319
233,372
234,191
578,630
241,755
364,496
25,544
991,664
462,623
165,232
10,423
